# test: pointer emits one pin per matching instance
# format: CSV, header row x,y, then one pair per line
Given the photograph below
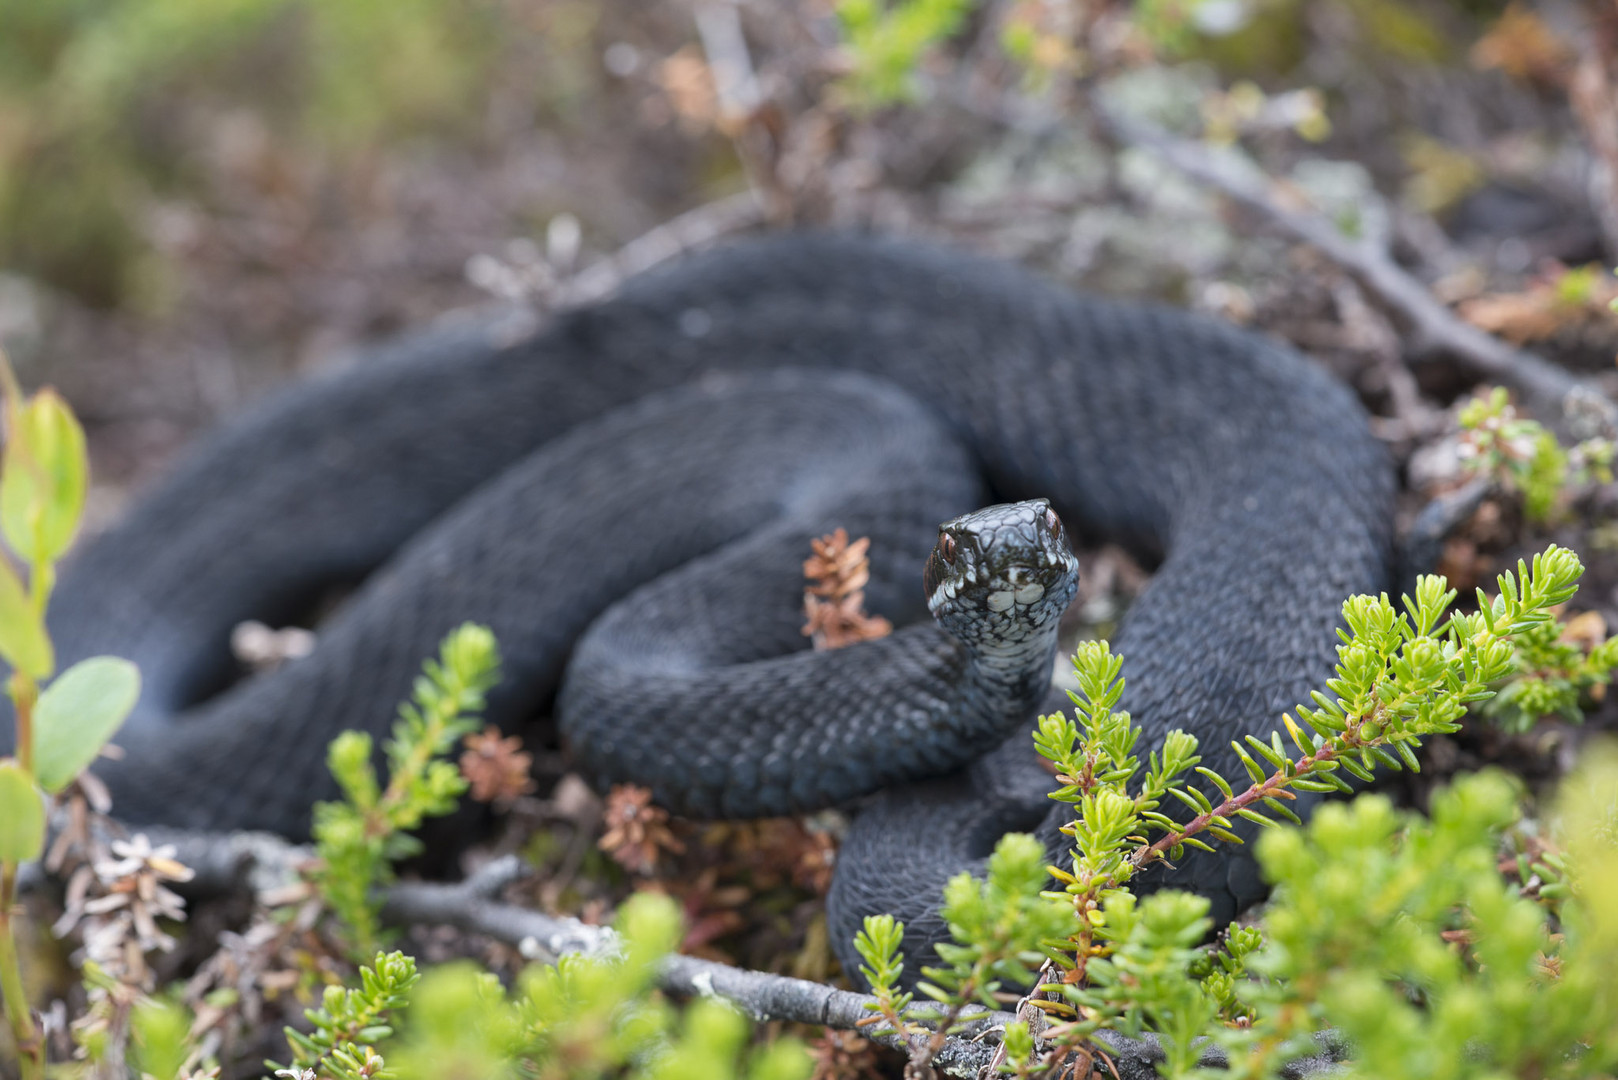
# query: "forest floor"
x,y
1470,152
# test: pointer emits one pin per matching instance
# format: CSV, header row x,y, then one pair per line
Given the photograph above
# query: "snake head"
x,y
1001,574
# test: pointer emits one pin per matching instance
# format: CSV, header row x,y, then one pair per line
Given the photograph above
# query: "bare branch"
x,y
1437,328
1593,96
225,861
697,228
759,994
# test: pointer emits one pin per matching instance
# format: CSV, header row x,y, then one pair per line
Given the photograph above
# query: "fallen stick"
x,y
226,861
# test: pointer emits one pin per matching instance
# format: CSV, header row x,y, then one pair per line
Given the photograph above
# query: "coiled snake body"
x,y
634,487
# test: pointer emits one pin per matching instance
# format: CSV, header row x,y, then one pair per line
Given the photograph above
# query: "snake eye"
x,y
1052,522
946,547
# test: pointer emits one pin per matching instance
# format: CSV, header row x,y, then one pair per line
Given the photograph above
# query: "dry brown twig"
x,y
546,283
760,995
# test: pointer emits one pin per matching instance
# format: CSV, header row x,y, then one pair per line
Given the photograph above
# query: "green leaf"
x,y
1281,808
78,713
159,1045
1408,755
22,815
1218,781
1192,799
42,481
1249,764
23,641
1272,754
1356,768
1338,783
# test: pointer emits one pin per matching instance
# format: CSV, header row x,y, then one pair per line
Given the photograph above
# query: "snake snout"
x,y
1002,572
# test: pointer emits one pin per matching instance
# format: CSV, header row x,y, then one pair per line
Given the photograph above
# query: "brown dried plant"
x,y
845,1055
834,599
497,768
638,833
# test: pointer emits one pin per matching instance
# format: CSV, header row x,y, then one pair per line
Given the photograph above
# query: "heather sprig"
x,y
585,1017
360,838
350,1024
1523,455
1132,965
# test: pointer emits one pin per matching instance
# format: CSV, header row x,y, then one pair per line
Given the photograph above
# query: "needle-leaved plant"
x,y
1360,922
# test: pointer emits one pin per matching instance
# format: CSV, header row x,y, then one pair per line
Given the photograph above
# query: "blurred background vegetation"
x,y
109,104
199,198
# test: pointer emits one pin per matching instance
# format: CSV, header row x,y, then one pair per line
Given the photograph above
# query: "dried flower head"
x,y
118,899
834,599
845,1055
497,768
637,831
85,803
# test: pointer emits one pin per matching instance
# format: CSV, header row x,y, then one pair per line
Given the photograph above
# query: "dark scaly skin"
x,y
803,732
1251,472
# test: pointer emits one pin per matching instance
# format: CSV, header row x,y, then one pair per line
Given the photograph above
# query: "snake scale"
x,y
627,494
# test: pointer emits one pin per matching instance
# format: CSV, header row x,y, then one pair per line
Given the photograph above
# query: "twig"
x,y
695,228
1593,96
720,28
1437,328
223,861
759,994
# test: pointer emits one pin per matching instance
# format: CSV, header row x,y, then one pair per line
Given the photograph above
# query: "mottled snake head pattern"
x,y
1001,576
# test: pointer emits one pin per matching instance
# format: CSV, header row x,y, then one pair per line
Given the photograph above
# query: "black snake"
x,y
627,495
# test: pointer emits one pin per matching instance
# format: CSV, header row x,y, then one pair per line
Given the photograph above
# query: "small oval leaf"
x,y
23,642
43,478
78,713
22,815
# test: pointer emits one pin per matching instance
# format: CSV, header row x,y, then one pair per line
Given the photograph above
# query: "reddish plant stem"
x,y
24,694
30,1048
1267,788
921,1065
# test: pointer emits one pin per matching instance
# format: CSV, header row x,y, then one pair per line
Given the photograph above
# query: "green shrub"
x,y
360,838
1398,930
61,723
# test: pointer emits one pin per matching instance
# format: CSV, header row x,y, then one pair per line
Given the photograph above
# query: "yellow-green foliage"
x,y
92,93
1268,36
1447,974
1523,455
886,42
60,724
351,1022
361,836
1399,930
586,1017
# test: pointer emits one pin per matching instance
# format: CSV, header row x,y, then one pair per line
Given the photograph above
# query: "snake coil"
x,y
633,486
